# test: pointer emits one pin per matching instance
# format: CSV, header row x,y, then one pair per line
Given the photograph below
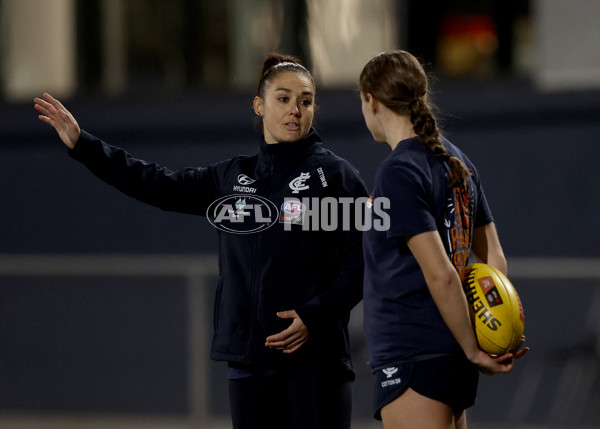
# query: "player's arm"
x,y
486,247
446,289
187,190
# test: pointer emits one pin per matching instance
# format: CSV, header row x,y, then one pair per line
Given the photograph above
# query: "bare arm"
x,y
486,247
446,289
54,113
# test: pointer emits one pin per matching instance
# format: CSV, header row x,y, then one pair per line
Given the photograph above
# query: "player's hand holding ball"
x,y
497,315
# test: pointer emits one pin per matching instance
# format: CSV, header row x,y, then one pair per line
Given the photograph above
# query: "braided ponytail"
x,y
397,80
425,126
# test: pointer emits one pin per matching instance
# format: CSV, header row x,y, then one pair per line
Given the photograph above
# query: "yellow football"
x,y
495,307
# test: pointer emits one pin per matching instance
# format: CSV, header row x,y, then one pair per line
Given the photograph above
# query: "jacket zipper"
x,y
255,286
254,300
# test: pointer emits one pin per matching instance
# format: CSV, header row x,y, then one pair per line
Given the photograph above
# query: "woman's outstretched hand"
x,y
54,113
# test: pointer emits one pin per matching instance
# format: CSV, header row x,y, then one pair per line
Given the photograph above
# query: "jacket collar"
x,y
290,148
278,156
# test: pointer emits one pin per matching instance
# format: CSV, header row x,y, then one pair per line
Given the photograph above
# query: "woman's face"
x,y
287,108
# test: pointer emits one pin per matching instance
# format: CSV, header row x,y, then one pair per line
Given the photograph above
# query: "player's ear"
x,y
258,105
372,102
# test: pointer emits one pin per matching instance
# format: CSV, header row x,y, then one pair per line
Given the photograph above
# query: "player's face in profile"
x,y
287,108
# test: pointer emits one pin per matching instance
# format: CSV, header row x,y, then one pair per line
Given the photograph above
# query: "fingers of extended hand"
x,y
290,314
54,113
50,113
290,339
51,107
283,339
295,345
53,101
286,344
46,119
42,106
276,341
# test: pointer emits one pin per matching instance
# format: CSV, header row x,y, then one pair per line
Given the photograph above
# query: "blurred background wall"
x,y
106,304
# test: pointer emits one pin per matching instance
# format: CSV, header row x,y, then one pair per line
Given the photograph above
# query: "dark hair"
x,y
276,63
398,81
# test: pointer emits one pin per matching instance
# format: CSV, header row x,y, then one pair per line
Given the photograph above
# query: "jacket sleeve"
x,y
346,289
188,190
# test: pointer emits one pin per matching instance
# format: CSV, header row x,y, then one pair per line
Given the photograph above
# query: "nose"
x,y
295,110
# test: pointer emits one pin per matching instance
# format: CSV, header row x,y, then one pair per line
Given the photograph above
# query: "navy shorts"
x,y
450,379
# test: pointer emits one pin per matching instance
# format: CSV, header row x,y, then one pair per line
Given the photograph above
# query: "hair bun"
x,y
275,58
275,63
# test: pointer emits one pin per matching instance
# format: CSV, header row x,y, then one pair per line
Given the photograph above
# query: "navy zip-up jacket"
x,y
318,273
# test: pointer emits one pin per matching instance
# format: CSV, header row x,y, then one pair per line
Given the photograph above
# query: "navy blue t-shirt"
x,y
401,320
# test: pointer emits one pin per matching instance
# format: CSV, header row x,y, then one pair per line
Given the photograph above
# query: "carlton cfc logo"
x,y
298,185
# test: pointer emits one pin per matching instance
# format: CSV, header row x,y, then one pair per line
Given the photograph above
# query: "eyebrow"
x,y
289,91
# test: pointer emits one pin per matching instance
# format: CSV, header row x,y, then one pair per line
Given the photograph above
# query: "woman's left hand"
x,y
292,338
